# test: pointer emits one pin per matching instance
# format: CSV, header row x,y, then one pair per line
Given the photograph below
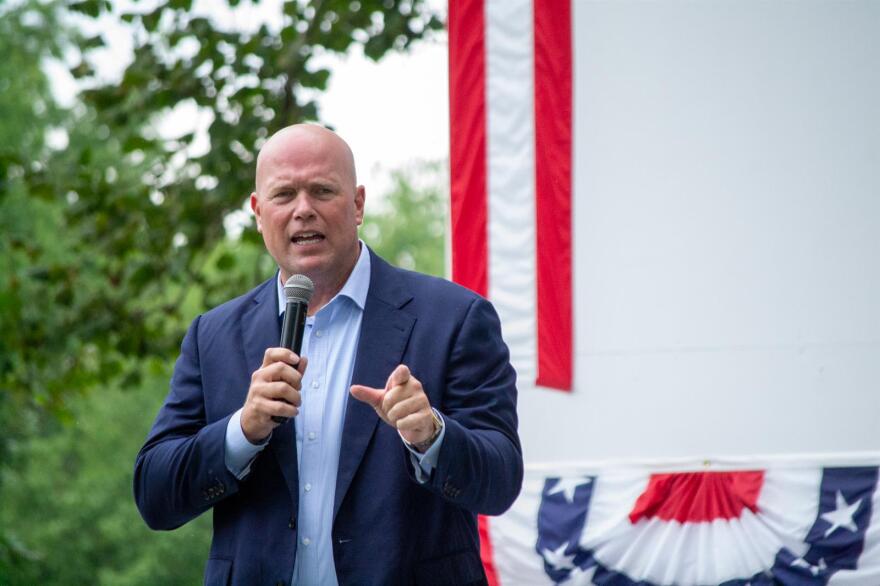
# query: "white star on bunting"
x,y
842,515
567,486
558,559
814,570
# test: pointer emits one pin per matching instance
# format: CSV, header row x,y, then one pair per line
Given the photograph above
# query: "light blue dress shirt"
x,y
330,342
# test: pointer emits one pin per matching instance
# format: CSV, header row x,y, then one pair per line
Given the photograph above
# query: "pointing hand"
x,y
402,404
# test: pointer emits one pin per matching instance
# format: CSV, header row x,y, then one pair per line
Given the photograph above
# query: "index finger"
x,y
279,355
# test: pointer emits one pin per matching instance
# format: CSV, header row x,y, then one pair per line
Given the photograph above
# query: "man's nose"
x,y
303,209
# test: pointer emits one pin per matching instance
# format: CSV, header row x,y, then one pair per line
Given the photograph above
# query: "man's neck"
x,y
322,295
327,286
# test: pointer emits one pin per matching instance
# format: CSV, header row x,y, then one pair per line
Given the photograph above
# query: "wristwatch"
x,y
422,446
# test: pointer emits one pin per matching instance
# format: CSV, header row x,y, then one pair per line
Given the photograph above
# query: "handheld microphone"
x,y
297,291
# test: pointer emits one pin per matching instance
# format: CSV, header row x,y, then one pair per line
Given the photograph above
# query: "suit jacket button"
x,y
292,523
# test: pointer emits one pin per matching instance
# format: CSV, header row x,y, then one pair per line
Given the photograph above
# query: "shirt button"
x,y
319,333
312,435
308,487
315,384
306,541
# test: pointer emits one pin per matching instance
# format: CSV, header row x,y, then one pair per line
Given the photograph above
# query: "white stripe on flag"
x,y
511,177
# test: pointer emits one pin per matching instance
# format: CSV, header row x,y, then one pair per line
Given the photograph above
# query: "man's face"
x,y
308,207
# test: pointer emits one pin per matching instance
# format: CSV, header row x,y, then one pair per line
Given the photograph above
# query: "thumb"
x,y
369,395
399,376
301,365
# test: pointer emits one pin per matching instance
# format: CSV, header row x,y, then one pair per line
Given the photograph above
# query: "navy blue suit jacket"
x,y
387,529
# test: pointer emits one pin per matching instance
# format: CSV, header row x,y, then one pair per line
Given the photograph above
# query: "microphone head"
x,y
298,288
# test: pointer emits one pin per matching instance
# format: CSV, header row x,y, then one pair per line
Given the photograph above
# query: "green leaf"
x,y
81,70
151,19
225,262
142,276
91,8
92,42
136,142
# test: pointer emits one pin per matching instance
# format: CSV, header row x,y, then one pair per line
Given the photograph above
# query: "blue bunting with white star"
x,y
834,542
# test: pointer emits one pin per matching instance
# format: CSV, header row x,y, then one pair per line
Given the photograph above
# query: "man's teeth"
x,y
307,238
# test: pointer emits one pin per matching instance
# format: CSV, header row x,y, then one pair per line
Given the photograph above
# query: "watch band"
x,y
423,446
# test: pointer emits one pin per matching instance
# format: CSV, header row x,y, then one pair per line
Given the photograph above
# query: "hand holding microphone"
x,y
274,393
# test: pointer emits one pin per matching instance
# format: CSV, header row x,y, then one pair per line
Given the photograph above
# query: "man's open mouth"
x,y
304,238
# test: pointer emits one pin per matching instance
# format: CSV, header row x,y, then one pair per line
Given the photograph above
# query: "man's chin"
x,y
310,267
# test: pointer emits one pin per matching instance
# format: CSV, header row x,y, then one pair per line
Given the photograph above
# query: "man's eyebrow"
x,y
325,183
284,183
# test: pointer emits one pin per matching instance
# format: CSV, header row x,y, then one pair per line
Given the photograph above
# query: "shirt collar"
x,y
355,287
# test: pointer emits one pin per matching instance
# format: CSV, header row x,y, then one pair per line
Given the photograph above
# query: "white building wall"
x,y
726,233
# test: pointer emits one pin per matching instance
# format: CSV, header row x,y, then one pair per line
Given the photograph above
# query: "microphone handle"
x,y
292,330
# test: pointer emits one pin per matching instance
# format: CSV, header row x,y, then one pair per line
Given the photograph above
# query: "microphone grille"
x,y
299,288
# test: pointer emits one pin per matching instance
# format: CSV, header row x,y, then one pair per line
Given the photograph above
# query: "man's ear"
x,y
255,207
360,196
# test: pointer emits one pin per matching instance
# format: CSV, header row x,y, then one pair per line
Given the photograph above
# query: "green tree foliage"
x,y
25,101
410,226
69,509
25,110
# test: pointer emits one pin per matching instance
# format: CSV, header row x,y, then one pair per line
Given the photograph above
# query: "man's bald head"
x,y
291,142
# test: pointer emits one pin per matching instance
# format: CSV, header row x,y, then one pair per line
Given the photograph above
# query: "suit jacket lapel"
x,y
385,331
260,330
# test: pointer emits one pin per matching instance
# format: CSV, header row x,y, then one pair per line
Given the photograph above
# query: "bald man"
x,y
399,418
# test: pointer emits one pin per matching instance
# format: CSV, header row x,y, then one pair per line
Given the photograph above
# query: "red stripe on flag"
x,y
467,141
467,163
486,551
553,119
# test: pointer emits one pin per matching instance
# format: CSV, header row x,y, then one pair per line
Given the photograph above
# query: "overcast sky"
x,y
392,112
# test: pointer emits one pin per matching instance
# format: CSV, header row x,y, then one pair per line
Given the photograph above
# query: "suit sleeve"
x,y
180,471
480,466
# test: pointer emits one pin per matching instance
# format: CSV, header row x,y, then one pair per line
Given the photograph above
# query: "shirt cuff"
x,y
240,452
424,464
